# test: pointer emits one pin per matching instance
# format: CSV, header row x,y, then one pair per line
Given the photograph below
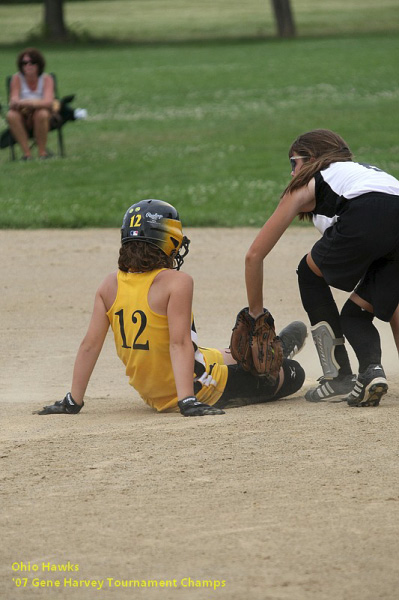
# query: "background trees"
x,y
55,28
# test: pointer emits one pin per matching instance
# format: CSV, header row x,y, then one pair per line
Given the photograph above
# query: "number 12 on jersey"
x,y
141,316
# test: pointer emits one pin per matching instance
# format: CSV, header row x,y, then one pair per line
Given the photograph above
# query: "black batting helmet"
x,y
158,223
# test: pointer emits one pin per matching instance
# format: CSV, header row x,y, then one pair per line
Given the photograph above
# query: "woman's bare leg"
x,y
18,130
41,122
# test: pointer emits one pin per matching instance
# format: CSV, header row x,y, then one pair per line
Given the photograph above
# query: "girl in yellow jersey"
x,y
148,304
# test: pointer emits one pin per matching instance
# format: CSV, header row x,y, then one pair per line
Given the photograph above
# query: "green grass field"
x,y
205,125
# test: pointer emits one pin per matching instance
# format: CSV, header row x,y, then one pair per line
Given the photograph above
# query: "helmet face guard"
x,y
182,253
157,223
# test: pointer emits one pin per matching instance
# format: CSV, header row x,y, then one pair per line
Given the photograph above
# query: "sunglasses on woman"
x,y
29,62
293,160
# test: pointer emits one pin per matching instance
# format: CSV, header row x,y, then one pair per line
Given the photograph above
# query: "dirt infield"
x,y
286,501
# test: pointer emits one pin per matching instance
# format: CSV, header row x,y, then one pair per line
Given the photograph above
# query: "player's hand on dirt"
x,y
191,407
66,406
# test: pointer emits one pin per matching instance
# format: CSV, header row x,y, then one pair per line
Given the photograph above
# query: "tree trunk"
x,y
54,25
284,18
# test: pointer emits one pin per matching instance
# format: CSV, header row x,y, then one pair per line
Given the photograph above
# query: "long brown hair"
x,y
319,148
140,256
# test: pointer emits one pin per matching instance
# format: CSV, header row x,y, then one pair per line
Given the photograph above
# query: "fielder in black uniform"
x,y
356,208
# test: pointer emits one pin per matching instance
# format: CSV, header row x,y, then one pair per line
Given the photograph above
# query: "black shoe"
x,y
330,388
369,387
293,338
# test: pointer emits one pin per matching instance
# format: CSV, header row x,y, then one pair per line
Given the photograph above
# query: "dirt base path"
x,y
286,501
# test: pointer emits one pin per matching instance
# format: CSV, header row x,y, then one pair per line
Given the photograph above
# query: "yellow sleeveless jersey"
x,y
142,344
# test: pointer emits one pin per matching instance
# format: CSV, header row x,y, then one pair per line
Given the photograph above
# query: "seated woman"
x,y
31,102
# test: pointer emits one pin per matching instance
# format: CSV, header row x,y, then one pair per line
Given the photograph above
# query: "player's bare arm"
x,y
88,353
91,345
179,312
301,200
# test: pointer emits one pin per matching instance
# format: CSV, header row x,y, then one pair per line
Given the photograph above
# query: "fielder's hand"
x,y
190,407
66,406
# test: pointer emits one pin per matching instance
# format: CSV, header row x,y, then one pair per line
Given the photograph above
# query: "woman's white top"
x,y
27,93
